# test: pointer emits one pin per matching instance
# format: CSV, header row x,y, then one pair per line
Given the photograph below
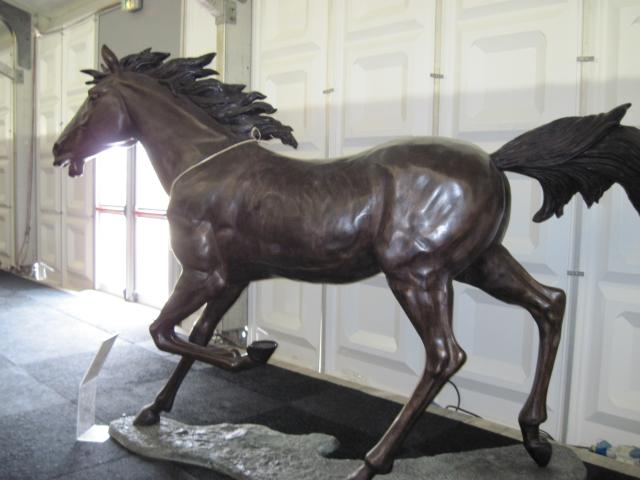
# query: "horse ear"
x,y
110,59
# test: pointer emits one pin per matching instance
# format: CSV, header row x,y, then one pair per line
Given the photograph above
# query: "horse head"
x,y
101,122
118,106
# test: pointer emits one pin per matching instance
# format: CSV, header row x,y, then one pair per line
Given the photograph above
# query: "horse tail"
x,y
577,154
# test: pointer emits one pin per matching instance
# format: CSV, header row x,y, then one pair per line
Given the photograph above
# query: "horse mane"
x,y
228,104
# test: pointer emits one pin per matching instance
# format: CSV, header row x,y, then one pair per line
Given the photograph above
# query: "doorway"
x,y
133,256
7,74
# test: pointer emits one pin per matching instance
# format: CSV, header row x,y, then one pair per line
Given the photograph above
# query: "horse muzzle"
x,y
76,165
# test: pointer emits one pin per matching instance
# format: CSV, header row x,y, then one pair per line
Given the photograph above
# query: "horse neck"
x,y
175,133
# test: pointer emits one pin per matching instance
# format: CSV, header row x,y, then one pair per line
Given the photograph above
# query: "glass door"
x,y
111,220
133,256
153,257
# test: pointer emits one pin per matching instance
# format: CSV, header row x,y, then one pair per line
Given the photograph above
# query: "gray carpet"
x,y
48,338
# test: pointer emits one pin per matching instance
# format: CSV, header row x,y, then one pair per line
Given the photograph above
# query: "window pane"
x,y
152,260
111,252
111,177
149,192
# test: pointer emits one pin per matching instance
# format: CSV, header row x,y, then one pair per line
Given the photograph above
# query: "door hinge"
x,y
225,11
130,297
436,75
575,273
327,91
585,58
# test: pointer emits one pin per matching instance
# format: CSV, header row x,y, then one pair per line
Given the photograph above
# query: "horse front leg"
x,y
500,275
193,289
200,335
428,304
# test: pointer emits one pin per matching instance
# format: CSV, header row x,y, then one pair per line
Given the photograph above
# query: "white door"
x,y
78,52
49,183
509,68
383,90
7,255
290,56
199,31
65,205
605,394
7,235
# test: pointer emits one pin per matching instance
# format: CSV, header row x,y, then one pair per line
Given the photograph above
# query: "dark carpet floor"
x,y
47,341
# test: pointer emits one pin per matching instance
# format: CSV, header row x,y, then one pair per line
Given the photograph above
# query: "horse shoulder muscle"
x,y
193,236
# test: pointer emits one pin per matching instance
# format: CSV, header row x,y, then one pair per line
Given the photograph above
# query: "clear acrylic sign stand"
x,y
86,429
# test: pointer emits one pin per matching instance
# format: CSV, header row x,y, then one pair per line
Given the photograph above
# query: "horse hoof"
x,y
540,451
146,417
363,473
261,350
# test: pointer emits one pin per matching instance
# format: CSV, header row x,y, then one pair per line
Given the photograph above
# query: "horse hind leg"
x,y
428,304
500,275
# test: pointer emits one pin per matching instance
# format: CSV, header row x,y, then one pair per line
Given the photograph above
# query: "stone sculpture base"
x,y
254,452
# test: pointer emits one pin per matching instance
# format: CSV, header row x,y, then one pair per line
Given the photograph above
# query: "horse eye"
x,y
93,95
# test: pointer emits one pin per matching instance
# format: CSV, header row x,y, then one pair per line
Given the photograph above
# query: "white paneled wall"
x,y
290,39
605,393
65,205
382,58
508,70
362,72
292,45
380,71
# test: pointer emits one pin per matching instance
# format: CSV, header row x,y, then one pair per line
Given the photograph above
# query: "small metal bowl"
x,y
261,350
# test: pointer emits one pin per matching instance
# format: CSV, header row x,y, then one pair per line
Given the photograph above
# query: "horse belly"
x,y
332,257
314,234
344,268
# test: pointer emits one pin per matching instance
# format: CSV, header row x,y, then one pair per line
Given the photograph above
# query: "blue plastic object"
x,y
601,447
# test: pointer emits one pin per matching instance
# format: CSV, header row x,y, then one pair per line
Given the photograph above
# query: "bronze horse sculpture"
x,y
424,211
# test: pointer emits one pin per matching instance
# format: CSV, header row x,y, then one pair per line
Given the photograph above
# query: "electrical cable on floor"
x,y
457,407
455,387
462,410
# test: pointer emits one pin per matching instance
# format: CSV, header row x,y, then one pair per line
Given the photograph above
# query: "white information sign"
x,y
86,429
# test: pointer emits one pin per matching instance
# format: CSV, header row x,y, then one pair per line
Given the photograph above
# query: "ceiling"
x,y
41,6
